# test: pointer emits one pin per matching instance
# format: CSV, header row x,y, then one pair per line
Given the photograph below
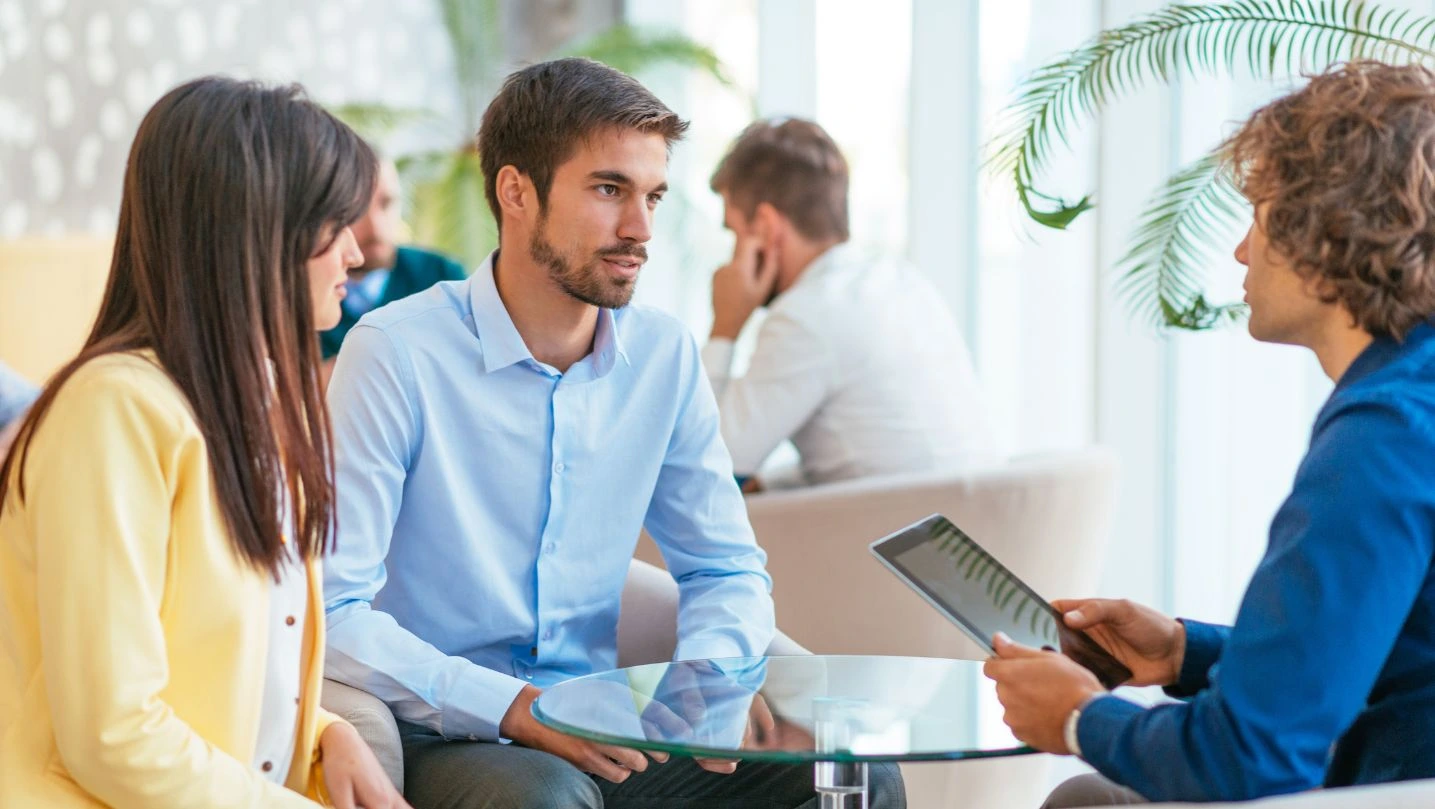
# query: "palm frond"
x,y
450,211
1197,212
1264,36
633,50
376,122
475,34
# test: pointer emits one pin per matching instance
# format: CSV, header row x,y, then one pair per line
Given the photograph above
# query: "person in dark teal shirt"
x,y
389,272
1327,677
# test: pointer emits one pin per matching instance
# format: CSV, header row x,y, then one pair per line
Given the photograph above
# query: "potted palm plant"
x,y
1198,209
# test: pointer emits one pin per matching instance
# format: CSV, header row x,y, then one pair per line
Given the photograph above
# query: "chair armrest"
x,y
375,723
648,620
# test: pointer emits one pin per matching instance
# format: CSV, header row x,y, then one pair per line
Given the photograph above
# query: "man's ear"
x,y
516,195
769,225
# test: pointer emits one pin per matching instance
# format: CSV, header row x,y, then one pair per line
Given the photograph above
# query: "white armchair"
x,y
1047,517
1406,795
647,633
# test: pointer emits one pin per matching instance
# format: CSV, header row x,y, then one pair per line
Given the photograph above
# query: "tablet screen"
x,y
983,597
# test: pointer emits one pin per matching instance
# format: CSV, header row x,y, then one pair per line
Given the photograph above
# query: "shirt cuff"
x,y
477,704
1203,648
717,357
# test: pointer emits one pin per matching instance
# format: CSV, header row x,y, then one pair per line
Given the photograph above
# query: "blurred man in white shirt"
x,y
859,362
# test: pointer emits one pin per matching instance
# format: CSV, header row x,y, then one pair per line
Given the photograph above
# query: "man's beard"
x,y
588,283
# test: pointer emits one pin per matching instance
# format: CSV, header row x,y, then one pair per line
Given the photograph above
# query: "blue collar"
x,y
503,345
1384,350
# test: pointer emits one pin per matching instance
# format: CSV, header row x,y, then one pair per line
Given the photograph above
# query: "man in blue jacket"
x,y
1327,677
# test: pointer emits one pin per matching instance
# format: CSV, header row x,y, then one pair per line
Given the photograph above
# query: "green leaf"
x,y
450,211
1185,40
1196,215
375,123
1162,274
475,34
633,50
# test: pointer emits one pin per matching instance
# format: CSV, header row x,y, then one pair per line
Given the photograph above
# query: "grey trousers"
x,y
1090,790
443,774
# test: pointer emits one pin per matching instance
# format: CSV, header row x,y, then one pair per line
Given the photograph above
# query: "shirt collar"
x,y
503,346
837,254
501,343
1382,351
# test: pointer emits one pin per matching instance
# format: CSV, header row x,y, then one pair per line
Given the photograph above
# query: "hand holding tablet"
x,y
980,595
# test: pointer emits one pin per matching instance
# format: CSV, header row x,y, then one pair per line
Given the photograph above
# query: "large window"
x,y
1208,427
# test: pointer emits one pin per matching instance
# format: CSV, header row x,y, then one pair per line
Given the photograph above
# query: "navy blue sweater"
x,y
1328,676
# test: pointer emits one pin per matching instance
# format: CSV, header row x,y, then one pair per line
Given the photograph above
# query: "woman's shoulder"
x,y
130,380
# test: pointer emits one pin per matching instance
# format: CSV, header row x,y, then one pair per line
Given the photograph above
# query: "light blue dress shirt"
x,y
366,293
16,395
489,505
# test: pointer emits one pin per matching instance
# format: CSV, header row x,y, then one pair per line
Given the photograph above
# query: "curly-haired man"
x,y
1328,675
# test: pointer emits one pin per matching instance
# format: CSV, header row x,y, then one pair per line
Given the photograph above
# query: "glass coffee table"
x,y
837,712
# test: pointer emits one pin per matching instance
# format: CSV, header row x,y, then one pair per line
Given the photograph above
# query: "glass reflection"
x,y
783,708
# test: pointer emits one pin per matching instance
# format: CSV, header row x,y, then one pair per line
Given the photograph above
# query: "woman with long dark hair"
x,y
168,497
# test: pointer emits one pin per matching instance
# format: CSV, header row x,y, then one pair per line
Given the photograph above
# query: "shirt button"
x,y
548,548
548,635
528,675
289,621
559,467
268,765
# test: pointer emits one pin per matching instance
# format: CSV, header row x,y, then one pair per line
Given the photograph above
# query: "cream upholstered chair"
x,y
647,633
1406,795
50,291
1047,517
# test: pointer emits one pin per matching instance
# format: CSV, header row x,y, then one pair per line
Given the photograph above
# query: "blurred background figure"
x,y
389,271
859,362
16,396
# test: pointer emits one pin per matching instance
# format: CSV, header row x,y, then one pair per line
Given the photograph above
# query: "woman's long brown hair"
x,y
230,188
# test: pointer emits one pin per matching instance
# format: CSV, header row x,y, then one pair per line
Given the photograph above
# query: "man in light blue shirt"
x,y
501,441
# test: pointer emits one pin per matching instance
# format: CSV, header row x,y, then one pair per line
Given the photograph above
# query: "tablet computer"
x,y
980,595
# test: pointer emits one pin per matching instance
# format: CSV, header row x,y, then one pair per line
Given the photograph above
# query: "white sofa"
x,y
647,633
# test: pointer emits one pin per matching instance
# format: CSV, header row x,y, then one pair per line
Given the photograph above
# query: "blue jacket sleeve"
x,y
1204,643
1348,553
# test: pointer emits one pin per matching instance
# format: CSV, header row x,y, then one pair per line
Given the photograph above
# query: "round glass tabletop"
x,y
806,708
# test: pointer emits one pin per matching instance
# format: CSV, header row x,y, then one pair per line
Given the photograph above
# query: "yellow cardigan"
x,y
133,638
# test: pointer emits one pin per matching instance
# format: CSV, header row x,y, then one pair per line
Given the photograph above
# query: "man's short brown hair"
x,y
794,166
544,111
1346,168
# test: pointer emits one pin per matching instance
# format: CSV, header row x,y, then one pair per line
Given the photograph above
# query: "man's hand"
x,y
760,734
605,761
741,286
1145,641
352,775
1039,690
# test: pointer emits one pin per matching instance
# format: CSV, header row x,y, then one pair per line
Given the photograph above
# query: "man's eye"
x,y
654,199
608,190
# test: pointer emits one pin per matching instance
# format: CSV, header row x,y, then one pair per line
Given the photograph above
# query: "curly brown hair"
x,y
1346,170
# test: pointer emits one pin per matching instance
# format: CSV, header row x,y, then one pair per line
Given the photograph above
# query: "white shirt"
x,y
862,366
279,717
